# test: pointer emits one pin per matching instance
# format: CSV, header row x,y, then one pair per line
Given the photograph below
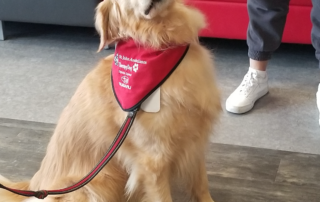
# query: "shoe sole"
x,y
244,109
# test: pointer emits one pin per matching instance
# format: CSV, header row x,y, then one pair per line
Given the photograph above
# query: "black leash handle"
x,y
117,142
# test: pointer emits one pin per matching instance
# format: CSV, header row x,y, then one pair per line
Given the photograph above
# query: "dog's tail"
x,y
6,196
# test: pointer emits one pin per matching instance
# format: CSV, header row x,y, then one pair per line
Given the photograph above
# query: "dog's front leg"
x,y
157,186
200,187
153,176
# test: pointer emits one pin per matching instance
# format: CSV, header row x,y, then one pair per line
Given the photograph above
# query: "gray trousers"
x,y
266,25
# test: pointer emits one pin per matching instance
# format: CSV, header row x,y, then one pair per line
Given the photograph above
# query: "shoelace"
x,y
248,81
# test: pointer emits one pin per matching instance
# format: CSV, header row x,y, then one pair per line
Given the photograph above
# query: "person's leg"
x,y
265,29
315,32
266,25
315,36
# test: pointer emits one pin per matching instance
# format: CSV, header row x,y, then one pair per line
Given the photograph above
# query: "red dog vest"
x,y
138,71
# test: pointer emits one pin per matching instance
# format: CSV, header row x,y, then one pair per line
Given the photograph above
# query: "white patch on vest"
x,y
152,103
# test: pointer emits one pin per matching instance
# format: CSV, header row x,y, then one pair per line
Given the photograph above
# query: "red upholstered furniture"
x,y
229,19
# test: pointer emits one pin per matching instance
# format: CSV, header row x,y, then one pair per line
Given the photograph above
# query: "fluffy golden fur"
x,y
160,147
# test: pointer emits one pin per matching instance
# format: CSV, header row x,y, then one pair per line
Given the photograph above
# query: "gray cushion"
x,y
60,12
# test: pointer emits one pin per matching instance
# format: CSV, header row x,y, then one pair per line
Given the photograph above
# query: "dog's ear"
x,y
106,21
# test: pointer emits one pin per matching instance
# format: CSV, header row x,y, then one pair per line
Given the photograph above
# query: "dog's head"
x,y
154,23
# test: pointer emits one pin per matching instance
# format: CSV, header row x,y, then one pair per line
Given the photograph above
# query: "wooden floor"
x,y
236,174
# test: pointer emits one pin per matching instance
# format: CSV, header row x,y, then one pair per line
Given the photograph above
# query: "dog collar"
x,y
138,71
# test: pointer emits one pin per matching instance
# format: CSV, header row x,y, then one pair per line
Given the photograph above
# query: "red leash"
x,y
117,142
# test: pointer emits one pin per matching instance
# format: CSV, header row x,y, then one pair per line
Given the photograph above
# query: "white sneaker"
x,y
318,101
253,87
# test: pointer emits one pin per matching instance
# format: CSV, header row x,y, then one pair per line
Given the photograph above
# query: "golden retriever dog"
x,y
161,148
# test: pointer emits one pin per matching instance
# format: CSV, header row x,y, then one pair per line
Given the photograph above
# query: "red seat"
x,y
229,19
